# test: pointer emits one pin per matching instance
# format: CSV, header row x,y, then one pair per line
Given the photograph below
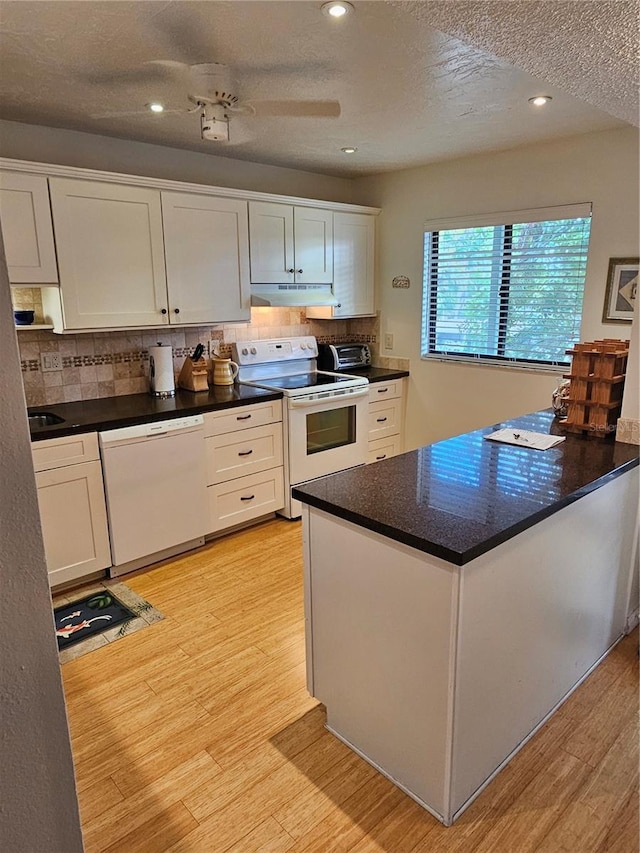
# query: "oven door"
x,y
327,434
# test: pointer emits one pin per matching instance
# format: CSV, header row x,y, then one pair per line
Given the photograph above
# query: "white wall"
x,y
448,399
90,151
39,805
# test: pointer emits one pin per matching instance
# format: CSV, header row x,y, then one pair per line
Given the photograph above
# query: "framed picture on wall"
x,y
622,288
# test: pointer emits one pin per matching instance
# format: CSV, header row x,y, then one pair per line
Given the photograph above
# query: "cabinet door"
x,y
207,256
25,217
353,268
313,256
271,242
74,521
110,254
353,262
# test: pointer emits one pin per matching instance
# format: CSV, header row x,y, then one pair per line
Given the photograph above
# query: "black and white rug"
x,y
94,616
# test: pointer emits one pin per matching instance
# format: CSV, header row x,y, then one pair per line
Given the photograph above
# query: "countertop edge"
x,y
198,407
461,558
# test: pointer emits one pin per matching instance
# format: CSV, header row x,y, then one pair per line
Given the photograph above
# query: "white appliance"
x,y
154,477
325,414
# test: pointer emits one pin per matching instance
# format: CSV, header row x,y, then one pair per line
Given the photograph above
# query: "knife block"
x,y
193,375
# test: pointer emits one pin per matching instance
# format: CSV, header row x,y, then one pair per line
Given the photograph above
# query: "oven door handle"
x,y
305,402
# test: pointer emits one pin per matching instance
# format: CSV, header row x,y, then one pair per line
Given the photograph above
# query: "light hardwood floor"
x,y
197,735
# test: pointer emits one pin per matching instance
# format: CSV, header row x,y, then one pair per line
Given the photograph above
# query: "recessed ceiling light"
x,y
540,100
349,149
337,8
156,108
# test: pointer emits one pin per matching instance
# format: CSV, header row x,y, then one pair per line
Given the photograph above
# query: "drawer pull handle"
x,y
380,420
250,498
384,456
243,417
245,452
382,390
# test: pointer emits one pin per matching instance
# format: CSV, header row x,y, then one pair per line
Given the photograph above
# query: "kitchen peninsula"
x,y
456,594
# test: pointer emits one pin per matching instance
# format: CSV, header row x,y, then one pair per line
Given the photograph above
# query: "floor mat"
x,y
88,616
129,613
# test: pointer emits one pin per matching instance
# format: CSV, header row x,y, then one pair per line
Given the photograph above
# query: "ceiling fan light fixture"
x,y
214,123
540,100
155,107
349,149
337,8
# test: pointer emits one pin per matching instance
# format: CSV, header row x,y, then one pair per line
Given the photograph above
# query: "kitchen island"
x,y
457,594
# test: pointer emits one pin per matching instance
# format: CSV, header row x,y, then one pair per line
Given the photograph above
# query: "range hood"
x,y
291,295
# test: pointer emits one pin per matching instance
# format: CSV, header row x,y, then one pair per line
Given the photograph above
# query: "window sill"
x,y
555,369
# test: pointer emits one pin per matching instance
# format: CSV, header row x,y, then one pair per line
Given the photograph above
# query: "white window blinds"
x,y
506,291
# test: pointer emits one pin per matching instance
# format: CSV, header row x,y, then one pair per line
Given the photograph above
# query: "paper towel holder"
x,y
161,385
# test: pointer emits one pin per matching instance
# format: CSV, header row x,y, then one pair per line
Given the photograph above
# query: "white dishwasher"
x,y
155,485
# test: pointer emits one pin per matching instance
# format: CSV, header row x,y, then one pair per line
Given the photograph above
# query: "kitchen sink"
x,y
44,419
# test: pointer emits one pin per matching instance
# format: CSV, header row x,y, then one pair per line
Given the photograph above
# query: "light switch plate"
x,y
388,341
50,361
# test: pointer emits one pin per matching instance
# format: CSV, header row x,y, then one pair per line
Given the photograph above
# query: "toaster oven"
x,y
345,356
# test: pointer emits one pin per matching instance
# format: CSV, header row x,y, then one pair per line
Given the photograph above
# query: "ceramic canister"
x,y
224,371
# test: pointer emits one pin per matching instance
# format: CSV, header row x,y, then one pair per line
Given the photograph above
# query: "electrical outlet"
x,y
50,361
388,341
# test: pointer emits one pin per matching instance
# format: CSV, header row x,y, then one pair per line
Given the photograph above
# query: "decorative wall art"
x,y
622,288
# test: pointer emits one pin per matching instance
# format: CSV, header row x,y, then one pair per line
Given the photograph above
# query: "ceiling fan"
x,y
211,91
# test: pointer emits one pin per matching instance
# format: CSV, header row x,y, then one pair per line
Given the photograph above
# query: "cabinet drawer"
x,y
244,451
242,417
245,498
384,448
385,390
384,418
68,450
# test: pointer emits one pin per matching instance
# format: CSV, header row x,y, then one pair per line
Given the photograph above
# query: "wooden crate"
x,y
598,370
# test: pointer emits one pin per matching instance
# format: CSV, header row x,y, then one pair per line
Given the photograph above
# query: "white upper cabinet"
x,y
290,244
25,217
353,268
207,256
110,254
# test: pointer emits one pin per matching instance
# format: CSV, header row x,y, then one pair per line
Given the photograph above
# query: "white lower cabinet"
x,y
238,501
245,477
386,417
72,507
383,448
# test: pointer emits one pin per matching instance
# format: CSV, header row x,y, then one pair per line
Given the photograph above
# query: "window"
x,y
506,291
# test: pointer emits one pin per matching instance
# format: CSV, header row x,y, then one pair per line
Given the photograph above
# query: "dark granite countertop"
x,y
378,374
113,412
459,498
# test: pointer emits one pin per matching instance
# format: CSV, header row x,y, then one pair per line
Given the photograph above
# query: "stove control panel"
x,y
275,350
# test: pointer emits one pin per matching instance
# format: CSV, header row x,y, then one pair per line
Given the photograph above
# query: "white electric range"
x,y
325,414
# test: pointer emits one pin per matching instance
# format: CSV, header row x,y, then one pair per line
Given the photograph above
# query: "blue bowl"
x,y
23,318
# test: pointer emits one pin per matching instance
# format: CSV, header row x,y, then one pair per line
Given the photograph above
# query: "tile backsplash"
x,y
108,364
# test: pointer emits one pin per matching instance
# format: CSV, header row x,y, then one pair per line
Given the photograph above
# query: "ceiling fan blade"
x,y
295,109
145,113
183,34
134,77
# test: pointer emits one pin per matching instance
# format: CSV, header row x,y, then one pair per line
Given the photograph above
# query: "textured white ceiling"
x,y
409,93
588,48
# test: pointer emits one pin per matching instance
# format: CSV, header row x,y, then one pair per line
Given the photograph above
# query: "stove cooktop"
x,y
304,380
306,383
